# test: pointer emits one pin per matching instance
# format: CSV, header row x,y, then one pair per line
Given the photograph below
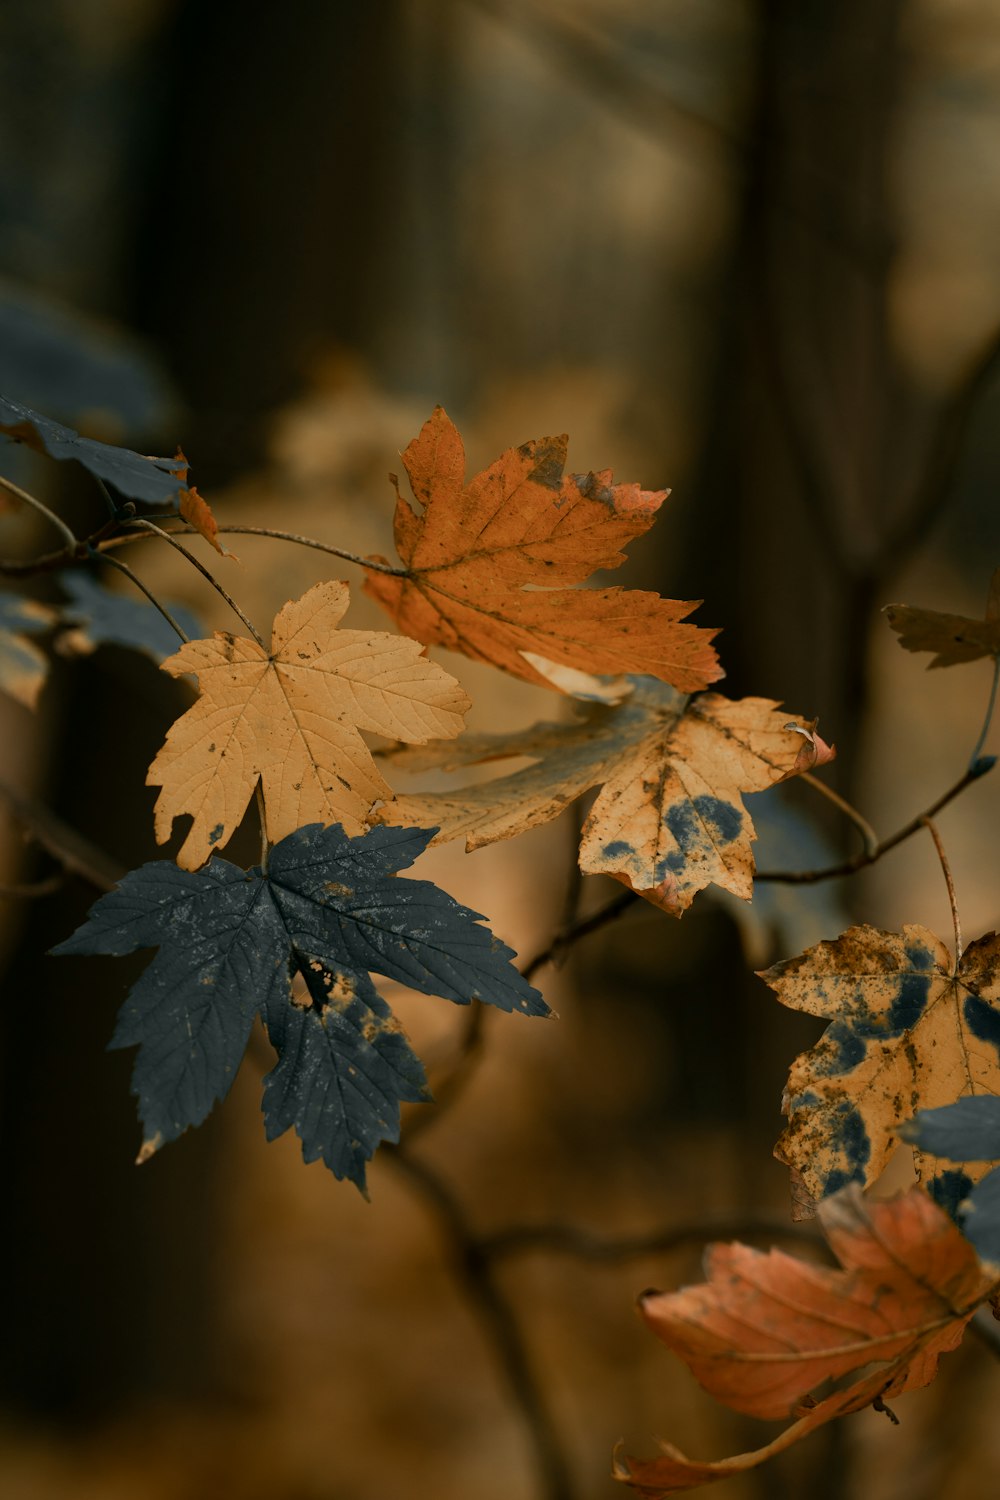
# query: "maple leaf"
x,y
22,666
291,718
955,638
331,909
966,1131
97,616
766,1329
908,1031
488,566
155,480
670,819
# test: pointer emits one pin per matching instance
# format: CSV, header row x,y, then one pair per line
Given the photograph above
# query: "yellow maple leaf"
x,y
291,719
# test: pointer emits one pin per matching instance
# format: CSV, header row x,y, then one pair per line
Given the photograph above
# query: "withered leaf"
x,y
230,942
23,667
155,480
954,638
197,512
766,1329
670,819
291,718
906,1032
490,566
97,616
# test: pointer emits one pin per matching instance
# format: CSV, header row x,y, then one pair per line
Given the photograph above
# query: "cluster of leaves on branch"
x,y
497,569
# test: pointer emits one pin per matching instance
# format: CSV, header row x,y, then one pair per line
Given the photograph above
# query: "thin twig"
x,y
470,1049
43,510
583,928
74,852
861,861
448,1089
991,704
169,537
949,882
863,826
497,1318
124,568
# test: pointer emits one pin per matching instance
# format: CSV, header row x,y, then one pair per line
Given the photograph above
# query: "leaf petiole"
x,y
865,829
989,713
124,568
956,924
43,510
168,537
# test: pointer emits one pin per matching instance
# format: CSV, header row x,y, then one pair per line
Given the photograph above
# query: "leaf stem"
x,y
124,568
949,882
43,510
861,861
265,847
862,824
308,541
991,704
282,536
178,546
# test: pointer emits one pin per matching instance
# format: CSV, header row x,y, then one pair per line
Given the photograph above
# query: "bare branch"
x,y
74,852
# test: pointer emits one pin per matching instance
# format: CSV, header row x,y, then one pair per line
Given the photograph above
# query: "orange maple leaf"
x,y
766,1328
488,566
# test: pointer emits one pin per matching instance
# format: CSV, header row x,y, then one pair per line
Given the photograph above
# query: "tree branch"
x,y
861,861
74,852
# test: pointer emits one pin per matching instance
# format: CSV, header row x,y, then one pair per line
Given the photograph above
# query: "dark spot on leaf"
x,y
982,1020
548,465
849,1139
948,1189
216,833
918,956
680,821
843,1049
721,818
909,1004
616,849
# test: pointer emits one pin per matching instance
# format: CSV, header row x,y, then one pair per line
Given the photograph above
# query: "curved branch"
x,y
869,857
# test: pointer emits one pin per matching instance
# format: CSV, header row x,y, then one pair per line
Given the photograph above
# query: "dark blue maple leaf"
x,y
230,942
154,480
966,1131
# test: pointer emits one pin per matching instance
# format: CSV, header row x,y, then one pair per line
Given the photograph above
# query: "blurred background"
x,y
750,251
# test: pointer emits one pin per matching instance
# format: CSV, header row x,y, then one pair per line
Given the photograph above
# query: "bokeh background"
x,y
747,250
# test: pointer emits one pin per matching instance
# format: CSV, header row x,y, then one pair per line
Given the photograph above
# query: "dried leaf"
x,y
489,564
767,1329
230,941
291,718
97,616
670,819
197,513
156,480
906,1033
954,638
23,667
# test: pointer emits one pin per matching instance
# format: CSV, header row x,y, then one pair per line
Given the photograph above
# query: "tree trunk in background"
x,y
799,442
